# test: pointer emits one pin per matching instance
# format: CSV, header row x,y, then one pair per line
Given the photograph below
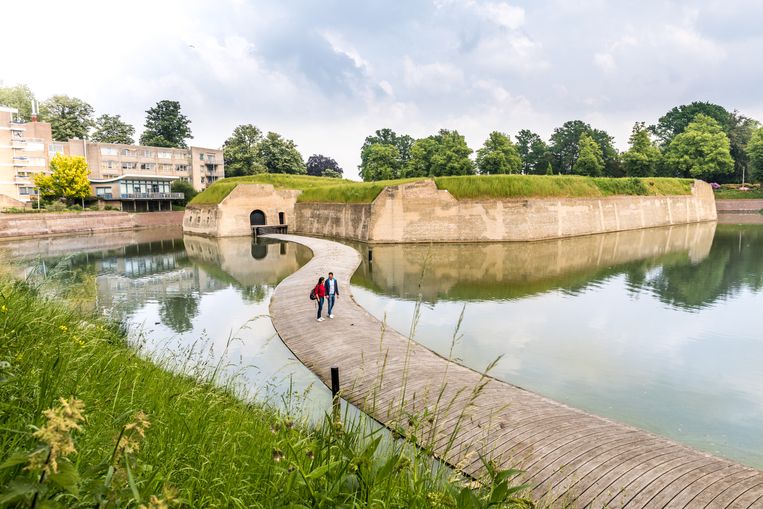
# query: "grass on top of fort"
x,y
328,190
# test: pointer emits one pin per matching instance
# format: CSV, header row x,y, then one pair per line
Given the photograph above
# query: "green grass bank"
x,y
326,190
145,436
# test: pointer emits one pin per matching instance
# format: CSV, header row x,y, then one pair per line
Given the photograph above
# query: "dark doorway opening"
x,y
257,218
281,218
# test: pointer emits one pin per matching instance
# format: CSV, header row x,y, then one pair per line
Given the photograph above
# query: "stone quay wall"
x,y
739,206
44,224
419,212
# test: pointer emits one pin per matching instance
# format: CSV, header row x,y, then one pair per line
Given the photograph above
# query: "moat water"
x,y
657,328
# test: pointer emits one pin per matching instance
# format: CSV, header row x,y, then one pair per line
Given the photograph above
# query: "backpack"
x,y
312,294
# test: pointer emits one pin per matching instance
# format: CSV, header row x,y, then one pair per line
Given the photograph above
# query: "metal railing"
x,y
148,196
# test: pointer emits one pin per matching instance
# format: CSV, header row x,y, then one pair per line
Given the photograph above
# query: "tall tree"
x,y
319,165
166,126
181,186
740,131
590,160
643,157
677,119
241,152
533,151
69,117
280,155
19,97
498,155
701,151
68,178
111,129
386,136
564,148
382,162
445,153
755,153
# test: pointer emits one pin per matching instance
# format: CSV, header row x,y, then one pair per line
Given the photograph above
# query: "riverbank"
x,y
150,433
73,223
737,206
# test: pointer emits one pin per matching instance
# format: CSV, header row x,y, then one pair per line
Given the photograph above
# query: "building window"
x,y
108,151
147,153
108,165
164,155
147,166
55,148
181,155
103,191
165,167
201,157
37,161
181,167
129,166
34,146
23,173
128,152
26,191
210,159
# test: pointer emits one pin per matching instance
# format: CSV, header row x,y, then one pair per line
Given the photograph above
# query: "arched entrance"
x,y
257,218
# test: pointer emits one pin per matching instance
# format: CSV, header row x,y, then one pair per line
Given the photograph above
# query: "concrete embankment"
x,y
27,225
738,206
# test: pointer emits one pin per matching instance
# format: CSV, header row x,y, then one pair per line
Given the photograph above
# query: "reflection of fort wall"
x,y
521,267
247,261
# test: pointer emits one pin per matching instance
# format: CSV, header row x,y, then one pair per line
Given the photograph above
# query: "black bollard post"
x,y
335,392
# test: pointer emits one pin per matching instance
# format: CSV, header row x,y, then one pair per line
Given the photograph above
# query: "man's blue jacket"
x,y
336,287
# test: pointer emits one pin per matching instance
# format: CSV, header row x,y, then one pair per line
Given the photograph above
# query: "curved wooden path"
x,y
570,458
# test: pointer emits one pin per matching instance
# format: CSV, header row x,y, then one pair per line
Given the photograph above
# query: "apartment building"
x,y
134,177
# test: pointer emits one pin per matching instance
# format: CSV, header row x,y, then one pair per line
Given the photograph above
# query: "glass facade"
x,y
135,186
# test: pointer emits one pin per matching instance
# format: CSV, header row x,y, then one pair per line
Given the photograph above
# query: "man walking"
x,y
332,292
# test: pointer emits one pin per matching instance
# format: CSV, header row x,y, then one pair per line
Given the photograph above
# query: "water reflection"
x,y
654,327
196,303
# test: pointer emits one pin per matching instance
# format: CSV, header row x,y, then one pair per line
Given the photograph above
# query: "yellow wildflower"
x,y
3,309
56,434
63,328
132,434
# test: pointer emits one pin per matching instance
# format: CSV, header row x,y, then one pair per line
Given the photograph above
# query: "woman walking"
x,y
320,295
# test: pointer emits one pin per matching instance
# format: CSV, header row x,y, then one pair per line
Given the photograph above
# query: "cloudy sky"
x,y
327,73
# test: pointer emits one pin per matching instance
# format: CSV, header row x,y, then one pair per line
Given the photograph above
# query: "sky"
x,y
328,73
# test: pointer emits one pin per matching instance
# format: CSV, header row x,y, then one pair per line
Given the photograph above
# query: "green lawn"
x,y
148,436
736,194
325,190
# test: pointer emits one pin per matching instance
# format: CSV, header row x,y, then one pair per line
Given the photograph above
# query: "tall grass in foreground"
x,y
85,421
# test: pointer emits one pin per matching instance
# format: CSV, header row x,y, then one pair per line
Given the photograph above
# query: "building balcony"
x,y
18,143
142,196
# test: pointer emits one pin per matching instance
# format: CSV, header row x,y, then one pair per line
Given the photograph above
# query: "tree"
x,y
166,126
111,129
564,148
498,155
381,162
445,153
590,160
19,97
755,153
181,186
321,166
403,144
740,132
643,158
68,178
280,155
533,151
674,122
701,151
69,117
241,152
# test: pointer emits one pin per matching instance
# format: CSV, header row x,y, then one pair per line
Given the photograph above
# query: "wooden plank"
x,y
570,456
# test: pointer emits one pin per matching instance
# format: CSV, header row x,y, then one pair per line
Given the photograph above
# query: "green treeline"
x,y
698,140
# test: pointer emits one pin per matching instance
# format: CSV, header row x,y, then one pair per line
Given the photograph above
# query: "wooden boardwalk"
x,y
570,458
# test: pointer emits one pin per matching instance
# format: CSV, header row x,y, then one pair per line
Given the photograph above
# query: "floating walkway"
x,y
570,458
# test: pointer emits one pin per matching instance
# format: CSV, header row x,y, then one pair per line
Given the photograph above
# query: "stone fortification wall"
x,y
23,225
419,212
230,218
335,220
739,206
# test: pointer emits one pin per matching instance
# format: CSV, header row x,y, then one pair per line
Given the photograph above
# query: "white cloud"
x,y
504,14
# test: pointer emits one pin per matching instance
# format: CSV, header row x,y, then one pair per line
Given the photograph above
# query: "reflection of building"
x,y
130,176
